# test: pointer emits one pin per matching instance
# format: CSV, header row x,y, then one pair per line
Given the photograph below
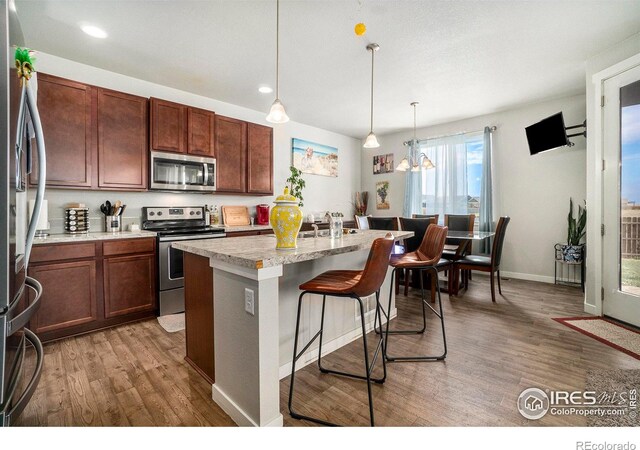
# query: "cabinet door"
x,y
201,132
231,154
65,108
168,126
129,284
122,141
259,159
69,295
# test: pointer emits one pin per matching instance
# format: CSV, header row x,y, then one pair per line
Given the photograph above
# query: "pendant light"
x,y
412,160
277,114
371,141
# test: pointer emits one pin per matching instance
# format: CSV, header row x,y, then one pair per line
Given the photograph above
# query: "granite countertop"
x,y
257,252
96,236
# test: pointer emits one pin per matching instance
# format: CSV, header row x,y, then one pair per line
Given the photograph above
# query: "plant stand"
x,y
569,273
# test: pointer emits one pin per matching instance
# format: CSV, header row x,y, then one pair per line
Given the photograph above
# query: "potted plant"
x,y
573,251
296,184
361,203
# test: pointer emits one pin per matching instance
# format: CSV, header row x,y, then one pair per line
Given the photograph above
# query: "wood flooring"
x,y
135,375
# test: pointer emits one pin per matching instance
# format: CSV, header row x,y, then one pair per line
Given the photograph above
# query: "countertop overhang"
x,y
258,252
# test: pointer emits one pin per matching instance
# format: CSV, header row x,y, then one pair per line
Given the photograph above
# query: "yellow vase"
x,y
286,220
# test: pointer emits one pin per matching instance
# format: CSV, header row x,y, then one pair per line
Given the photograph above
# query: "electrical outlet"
x,y
249,302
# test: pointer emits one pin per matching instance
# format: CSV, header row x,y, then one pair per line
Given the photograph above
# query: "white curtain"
x,y
444,189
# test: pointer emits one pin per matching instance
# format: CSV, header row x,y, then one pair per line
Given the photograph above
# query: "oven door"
x,y
170,260
171,172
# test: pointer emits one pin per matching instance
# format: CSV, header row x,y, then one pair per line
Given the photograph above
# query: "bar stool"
x,y
353,284
427,258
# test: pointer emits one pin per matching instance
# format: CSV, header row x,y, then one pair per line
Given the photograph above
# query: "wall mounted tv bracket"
x,y
584,133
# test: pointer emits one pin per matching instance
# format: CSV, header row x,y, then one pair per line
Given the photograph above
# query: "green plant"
x,y
576,225
296,184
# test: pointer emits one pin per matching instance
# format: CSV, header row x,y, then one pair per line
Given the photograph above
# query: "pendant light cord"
x,y
372,62
278,49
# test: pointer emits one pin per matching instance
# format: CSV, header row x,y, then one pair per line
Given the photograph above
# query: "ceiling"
x,y
458,59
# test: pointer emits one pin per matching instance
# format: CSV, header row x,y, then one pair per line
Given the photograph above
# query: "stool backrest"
x,y
419,228
432,245
375,270
383,223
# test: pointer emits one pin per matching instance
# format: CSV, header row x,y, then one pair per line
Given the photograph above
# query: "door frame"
x,y
595,241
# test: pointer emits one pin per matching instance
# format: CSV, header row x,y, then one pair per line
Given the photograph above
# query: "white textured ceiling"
x,y
457,58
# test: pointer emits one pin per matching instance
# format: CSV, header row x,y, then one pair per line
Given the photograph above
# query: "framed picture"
x,y
316,159
383,164
382,195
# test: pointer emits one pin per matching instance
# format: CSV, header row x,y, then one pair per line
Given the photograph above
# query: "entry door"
x,y
621,201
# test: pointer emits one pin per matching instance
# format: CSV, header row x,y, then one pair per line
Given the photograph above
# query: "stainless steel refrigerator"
x,y
21,352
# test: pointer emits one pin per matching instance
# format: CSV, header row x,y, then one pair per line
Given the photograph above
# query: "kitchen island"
x,y
252,290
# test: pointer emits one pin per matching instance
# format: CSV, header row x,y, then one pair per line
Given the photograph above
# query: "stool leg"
x,y
424,317
367,368
324,301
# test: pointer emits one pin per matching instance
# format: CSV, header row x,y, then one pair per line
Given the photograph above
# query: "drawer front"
x,y
59,252
128,246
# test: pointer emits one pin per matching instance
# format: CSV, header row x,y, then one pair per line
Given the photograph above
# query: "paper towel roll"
x,y
43,222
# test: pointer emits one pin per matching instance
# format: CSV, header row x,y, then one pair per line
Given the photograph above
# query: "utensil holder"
x,y
112,224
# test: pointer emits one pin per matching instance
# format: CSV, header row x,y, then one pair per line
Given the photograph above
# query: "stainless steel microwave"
x,y
174,172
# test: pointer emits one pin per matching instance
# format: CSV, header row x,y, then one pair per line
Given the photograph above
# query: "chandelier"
x,y
415,160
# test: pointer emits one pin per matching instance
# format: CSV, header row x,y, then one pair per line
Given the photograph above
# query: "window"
x,y
453,187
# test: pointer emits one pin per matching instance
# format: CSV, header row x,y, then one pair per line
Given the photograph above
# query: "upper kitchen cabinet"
x,y
231,154
68,123
168,126
259,159
122,141
181,129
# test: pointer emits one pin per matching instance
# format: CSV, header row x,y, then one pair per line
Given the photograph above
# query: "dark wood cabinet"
x,y
67,111
231,154
201,135
168,126
122,141
69,295
93,285
129,284
259,159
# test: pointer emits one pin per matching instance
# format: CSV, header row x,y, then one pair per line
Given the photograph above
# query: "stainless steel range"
x,y
175,224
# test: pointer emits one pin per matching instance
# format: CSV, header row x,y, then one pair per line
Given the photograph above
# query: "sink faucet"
x,y
315,230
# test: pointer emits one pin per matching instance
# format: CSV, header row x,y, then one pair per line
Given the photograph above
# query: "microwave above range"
x,y
175,172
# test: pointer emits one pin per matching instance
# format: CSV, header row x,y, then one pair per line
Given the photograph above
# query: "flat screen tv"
x,y
547,134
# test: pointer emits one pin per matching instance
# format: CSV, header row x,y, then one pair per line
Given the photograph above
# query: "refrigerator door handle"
x,y
20,183
25,316
42,170
20,404
15,375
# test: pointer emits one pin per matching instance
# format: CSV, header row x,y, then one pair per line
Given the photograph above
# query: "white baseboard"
x,y
236,413
526,276
591,309
328,347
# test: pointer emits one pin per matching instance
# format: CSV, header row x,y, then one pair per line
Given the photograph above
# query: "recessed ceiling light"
x,y
94,31
265,90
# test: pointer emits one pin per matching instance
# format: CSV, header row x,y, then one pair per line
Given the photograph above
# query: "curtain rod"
x,y
492,129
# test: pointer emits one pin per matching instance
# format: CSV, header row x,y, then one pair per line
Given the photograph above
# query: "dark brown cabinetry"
x,y
122,141
67,114
231,155
259,159
93,285
181,129
96,138
244,157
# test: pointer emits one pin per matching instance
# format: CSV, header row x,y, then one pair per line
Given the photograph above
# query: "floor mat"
x,y
172,322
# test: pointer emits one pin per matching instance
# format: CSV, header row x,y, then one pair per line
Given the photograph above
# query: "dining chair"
x,y
362,222
383,223
490,263
426,216
456,248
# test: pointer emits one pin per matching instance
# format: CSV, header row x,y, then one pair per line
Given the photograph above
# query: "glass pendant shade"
x,y
427,164
371,141
277,114
415,168
403,166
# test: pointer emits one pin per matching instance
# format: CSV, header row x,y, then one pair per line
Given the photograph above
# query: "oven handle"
x,y
191,238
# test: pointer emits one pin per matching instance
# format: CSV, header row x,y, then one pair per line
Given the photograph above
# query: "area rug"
x,y
622,338
619,387
172,323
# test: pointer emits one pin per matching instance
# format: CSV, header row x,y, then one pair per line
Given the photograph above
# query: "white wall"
x,y
533,190
608,58
321,193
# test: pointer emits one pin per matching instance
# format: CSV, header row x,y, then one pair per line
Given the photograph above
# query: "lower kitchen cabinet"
x,y
93,285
